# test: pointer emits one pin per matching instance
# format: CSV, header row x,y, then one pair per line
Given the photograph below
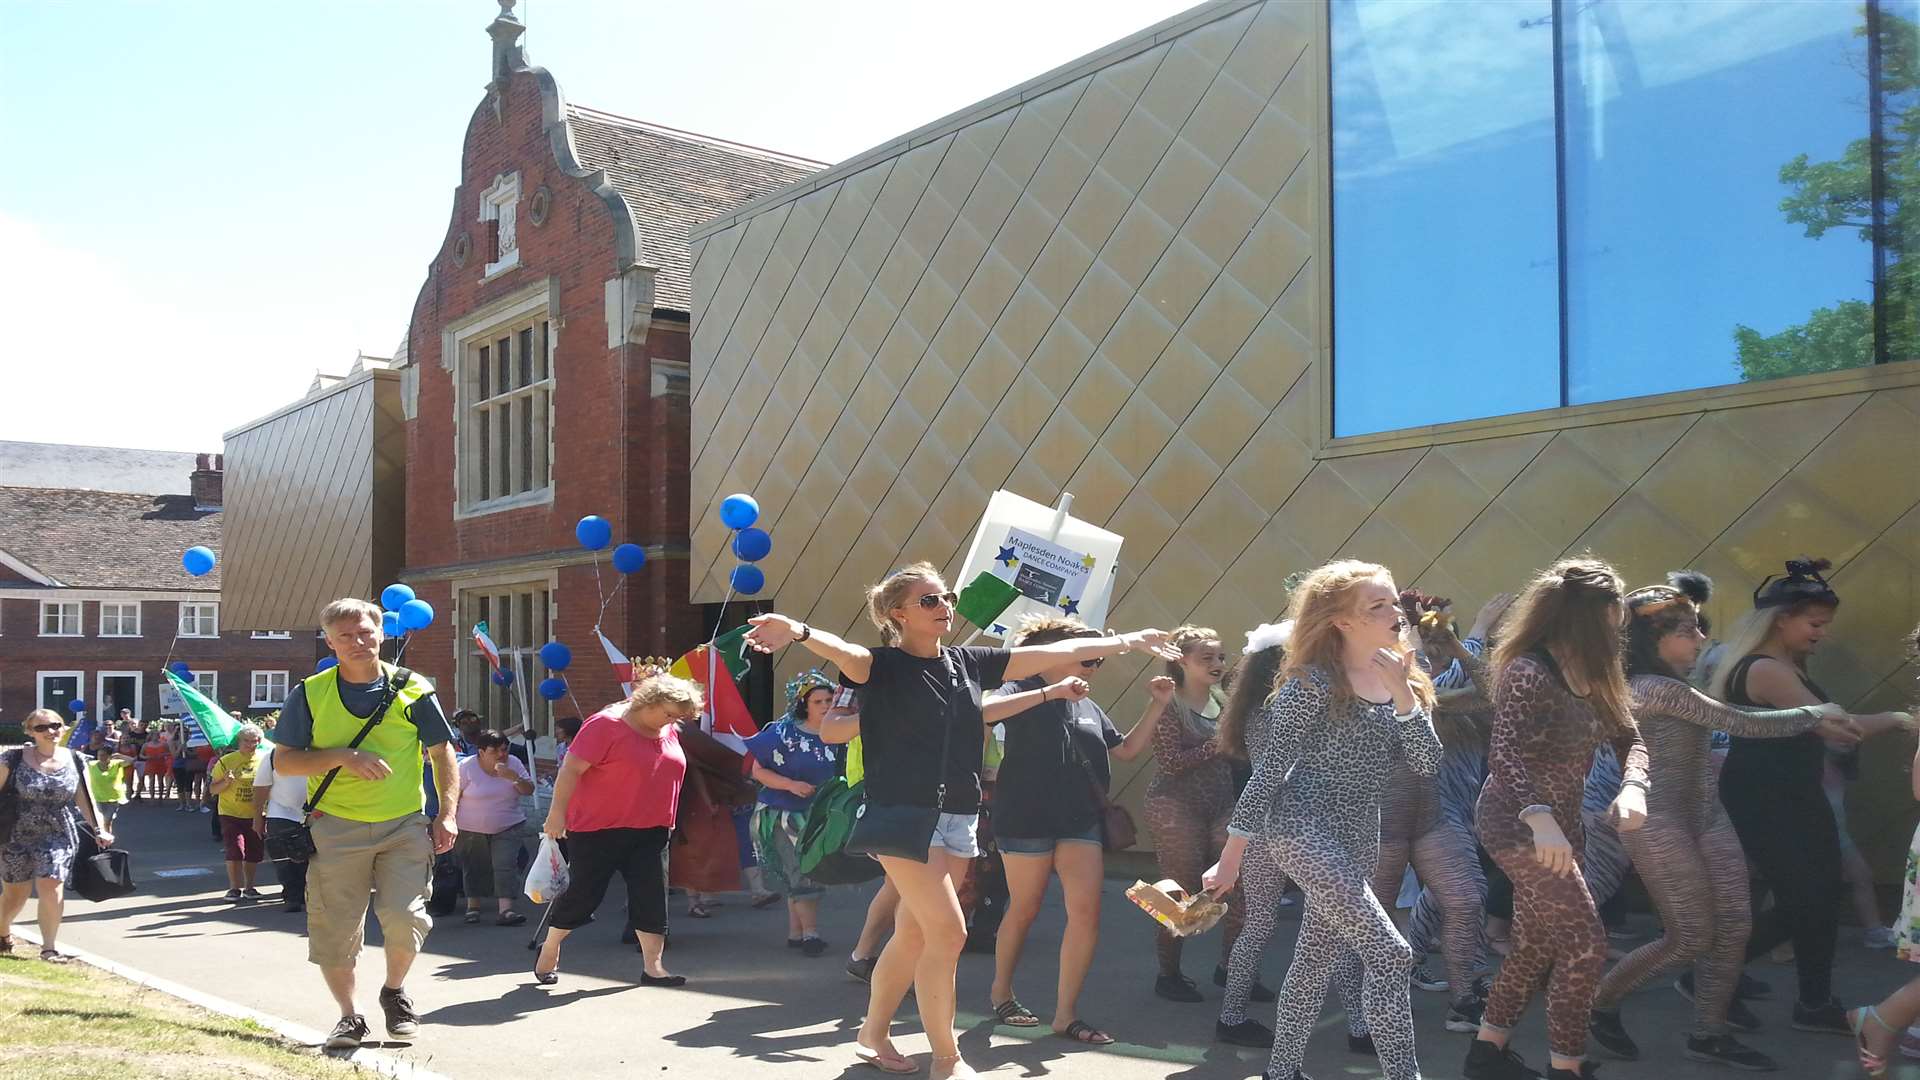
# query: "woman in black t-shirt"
x,y
920,704
1046,815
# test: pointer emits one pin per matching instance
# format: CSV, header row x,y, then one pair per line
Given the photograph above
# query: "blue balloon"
x,y
752,545
593,532
553,689
416,614
325,663
748,580
629,557
390,624
503,677
556,656
739,511
393,596
180,668
198,560
77,705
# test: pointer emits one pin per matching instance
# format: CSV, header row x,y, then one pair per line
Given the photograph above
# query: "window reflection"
x,y
1445,275
1703,144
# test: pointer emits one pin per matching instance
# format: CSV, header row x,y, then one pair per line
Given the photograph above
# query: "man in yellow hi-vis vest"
x,y
371,839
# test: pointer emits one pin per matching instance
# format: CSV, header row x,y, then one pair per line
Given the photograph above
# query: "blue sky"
x,y
207,200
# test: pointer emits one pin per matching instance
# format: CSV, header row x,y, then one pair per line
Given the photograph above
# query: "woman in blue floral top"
x,y
791,762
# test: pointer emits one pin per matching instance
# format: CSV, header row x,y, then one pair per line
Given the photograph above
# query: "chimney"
x,y
209,469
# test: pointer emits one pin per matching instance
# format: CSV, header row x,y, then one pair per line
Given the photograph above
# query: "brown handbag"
x,y
1117,830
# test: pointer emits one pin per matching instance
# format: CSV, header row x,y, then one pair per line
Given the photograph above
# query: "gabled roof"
x,y
107,540
675,180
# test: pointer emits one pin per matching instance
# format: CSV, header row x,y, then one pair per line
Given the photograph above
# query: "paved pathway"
x,y
755,1009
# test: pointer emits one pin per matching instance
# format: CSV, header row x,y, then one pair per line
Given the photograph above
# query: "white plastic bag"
x,y
548,876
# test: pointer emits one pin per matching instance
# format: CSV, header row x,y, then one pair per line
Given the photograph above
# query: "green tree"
x,y
1838,195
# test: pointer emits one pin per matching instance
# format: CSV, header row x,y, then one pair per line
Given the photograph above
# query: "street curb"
x,y
375,1060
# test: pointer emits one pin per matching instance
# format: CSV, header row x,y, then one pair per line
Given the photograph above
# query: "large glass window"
x,y
1717,197
1696,139
1446,303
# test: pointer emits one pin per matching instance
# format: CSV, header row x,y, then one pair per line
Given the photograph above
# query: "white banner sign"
x,y
1060,564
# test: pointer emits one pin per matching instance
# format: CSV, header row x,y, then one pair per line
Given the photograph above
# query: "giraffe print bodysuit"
x,y
1687,853
1314,803
1543,742
1187,806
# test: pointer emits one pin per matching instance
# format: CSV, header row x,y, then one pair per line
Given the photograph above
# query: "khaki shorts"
x,y
389,863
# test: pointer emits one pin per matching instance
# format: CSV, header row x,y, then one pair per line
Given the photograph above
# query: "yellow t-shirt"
x,y
237,799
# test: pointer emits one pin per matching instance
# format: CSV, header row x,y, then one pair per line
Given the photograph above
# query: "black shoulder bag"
x,y
906,832
292,841
10,795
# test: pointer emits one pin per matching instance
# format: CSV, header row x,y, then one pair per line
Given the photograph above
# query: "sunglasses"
x,y
1093,664
44,727
934,600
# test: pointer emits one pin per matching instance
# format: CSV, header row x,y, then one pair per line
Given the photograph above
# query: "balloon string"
x,y
598,588
608,599
722,617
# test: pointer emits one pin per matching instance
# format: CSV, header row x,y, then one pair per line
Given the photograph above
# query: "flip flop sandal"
x,y
510,918
1014,1014
1870,1063
1082,1032
764,901
699,911
54,957
470,917
897,1064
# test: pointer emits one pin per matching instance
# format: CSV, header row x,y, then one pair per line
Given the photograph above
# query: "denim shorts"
x,y
1043,845
958,833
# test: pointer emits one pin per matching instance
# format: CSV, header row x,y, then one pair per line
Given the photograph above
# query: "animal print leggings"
x,y
1558,940
1188,836
1262,884
1444,858
1343,919
1699,884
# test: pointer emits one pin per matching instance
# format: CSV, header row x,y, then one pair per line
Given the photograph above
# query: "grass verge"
x,y
74,1022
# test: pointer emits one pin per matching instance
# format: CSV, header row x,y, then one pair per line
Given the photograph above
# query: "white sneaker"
x,y
1879,937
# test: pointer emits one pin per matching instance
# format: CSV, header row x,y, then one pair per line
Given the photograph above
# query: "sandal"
x,y
699,911
1082,1032
1870,1063
472,916
510,918
1014,1014
6,946
766,900
887,1061
547,978
55,956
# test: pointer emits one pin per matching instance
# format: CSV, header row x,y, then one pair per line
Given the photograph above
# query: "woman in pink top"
x,y
614,803
493,830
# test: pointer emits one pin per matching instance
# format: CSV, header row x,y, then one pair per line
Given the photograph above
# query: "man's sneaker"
x,y
1176,988
1428,981
862,970
1245,1033
1486,1061
1878,937
1826,1019
348,1033
812,947
251,894
1463,1016
233,896
402,1021
1607,1030
1727,1050
1740,1018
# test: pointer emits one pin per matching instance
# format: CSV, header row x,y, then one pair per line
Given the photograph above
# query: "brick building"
x,y
544,379
92,591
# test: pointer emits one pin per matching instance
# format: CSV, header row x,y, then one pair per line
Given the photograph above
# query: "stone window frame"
x,y
460,345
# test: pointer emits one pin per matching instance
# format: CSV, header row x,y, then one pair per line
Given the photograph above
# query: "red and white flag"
x,y
622,666
486,645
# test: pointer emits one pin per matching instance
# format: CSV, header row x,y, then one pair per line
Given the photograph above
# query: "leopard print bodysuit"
x,y
1187,805
1314,803
1542,750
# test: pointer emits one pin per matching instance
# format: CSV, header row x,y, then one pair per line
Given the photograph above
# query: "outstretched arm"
x,y
1029,660
772,632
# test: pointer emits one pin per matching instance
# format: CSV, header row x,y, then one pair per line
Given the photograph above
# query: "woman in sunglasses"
x,y
1047,808
920,706
39,851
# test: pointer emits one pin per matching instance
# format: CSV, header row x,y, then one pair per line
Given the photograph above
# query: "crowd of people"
x,y
1482,796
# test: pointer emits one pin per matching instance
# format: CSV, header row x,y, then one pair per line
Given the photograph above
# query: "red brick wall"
x,y
234,654
618,452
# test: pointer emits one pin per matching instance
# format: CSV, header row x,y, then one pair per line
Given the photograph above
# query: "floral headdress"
x,y
806,683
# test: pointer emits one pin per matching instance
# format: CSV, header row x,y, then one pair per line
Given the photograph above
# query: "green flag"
x,y
732,647
219,728
984,599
